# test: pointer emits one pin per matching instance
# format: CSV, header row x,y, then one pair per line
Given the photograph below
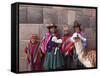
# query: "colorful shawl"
x,y
44,42
67,45
33,50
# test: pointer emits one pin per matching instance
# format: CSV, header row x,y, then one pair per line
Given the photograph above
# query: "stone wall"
x,y
33,19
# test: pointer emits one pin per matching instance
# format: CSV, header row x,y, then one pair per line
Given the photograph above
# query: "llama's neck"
x,y
80,52
78,47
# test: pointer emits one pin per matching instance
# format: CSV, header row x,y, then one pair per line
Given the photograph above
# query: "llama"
x,y
86,57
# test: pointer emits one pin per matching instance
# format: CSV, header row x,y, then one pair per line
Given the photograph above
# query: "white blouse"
x,y
75,35
54,38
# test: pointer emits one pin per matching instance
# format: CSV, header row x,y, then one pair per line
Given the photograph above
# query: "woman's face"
x,y
66,32
53,30
77,29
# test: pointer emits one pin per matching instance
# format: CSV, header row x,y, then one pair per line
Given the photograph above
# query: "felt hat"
x,y
51,26
76,24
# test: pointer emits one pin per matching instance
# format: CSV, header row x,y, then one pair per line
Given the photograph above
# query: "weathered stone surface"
x,y
71,17
83,20
91,36
93,12
35,15
73,9
23,66
26,30
62,16
22,14
90,33
30,15
50,15
93,22
86,11
92,44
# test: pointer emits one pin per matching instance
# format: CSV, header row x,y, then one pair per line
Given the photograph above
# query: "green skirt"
x,y
53,61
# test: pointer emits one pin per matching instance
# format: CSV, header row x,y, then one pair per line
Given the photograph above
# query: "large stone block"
x,y
50,15
91,36
22,14
93,12
62,16
83,20
93,22
35,15
26,30
79,13
71,17
92,44
86,12
31,14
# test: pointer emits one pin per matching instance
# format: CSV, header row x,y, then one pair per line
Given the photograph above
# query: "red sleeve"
x,y
69,47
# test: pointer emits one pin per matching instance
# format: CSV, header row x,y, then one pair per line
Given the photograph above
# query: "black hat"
x,y
51,25
76,24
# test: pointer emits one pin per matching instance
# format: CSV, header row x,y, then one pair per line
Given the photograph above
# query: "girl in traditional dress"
x,y
67,48
78,34
50,47
33,54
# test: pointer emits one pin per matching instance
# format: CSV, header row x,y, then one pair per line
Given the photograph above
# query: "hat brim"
x,y
49,27
79,25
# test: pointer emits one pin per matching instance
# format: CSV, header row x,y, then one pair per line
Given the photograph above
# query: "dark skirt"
x,y
53,61
68,61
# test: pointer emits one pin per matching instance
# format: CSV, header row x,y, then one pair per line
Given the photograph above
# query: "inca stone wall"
x,y
33,19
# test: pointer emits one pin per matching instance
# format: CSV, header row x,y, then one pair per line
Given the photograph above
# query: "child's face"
x,y
33,40
77,29
53,30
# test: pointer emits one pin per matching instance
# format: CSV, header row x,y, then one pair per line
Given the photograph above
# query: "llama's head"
x,y
78,45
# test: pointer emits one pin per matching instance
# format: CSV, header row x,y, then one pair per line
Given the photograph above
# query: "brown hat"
x,y
51,25
76,24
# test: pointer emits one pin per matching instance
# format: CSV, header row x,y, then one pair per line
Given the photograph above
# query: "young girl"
x,y
50,47
67,47
78,34
34,54
67,44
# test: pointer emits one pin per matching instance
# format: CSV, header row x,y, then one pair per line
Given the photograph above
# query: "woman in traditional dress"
x,y
50,47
